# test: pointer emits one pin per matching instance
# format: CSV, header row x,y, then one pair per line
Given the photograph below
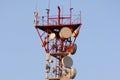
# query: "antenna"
x,y
58,39
48,4
70,3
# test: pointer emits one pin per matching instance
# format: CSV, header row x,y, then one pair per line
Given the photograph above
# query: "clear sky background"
x,y
98,53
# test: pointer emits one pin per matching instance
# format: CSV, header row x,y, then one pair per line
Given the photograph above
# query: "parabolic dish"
x,y
52,35
65,32
75,33
73,73
67,62
74,49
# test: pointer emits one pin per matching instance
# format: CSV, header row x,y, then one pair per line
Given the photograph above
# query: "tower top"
x,y
58,34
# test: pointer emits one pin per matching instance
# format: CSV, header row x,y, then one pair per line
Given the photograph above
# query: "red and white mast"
x,y
58,39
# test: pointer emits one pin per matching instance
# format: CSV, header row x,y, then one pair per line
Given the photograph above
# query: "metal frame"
x,y
58,47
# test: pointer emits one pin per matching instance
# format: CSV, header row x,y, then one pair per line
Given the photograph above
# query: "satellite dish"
x,y
50,60
67,62
73,73
47,68
52,35
53,70
65,32
64,78
74,49
75,33
36,14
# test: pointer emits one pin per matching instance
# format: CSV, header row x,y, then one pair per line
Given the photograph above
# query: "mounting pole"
x,y
71,15
48,10
58,15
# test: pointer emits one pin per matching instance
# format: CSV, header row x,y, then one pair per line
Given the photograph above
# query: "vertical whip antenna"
x,y
36,5
48,4
80,18
70,3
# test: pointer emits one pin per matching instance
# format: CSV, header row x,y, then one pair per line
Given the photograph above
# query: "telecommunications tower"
x,y
58,35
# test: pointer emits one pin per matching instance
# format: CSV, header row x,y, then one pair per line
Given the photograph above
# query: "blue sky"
x,y
98,53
